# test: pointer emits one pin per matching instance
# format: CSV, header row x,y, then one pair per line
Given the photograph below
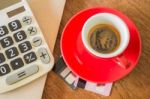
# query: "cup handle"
x,y
122,61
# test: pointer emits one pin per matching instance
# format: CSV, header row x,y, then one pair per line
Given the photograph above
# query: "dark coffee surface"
x,y
104,38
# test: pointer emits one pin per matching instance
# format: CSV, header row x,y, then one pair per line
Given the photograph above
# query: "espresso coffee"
x,y
104,38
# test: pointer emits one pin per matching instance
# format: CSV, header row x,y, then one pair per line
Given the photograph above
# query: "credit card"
x,y
64,72
102,89
74,81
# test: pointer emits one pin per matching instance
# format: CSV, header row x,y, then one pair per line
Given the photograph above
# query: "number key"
x,y
24,47
19,36
6,42
14,25
2,58
4,69
3,31
12,52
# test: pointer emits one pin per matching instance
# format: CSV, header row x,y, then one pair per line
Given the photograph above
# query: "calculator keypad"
x,y
19,50
14,25
6,42
3,31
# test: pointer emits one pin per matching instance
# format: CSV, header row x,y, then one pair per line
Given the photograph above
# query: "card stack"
x,y
75,82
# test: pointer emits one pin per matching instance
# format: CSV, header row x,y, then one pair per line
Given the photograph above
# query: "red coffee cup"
x,y
90,66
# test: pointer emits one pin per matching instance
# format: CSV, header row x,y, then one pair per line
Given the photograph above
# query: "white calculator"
x,y
24,53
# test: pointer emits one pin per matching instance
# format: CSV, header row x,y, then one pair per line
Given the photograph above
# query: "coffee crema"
x,y
104,38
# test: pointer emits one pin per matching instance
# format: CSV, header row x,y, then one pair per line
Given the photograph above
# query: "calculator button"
x,y
12,52
19,36
24,47
2,58
37,41
3,31
30,57
43,54
17,63
11,79
4,69
32,31
6,42
27,20
14,25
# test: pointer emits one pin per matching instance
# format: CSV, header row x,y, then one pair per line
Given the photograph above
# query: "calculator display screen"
x,y
7,3
16,11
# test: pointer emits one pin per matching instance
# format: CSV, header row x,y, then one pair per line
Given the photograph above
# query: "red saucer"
x,y
88,66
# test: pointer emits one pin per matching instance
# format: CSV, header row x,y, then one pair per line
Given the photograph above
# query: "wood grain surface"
x,y
134,86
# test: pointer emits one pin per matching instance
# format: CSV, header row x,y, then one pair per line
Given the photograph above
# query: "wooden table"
x,y
134,86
